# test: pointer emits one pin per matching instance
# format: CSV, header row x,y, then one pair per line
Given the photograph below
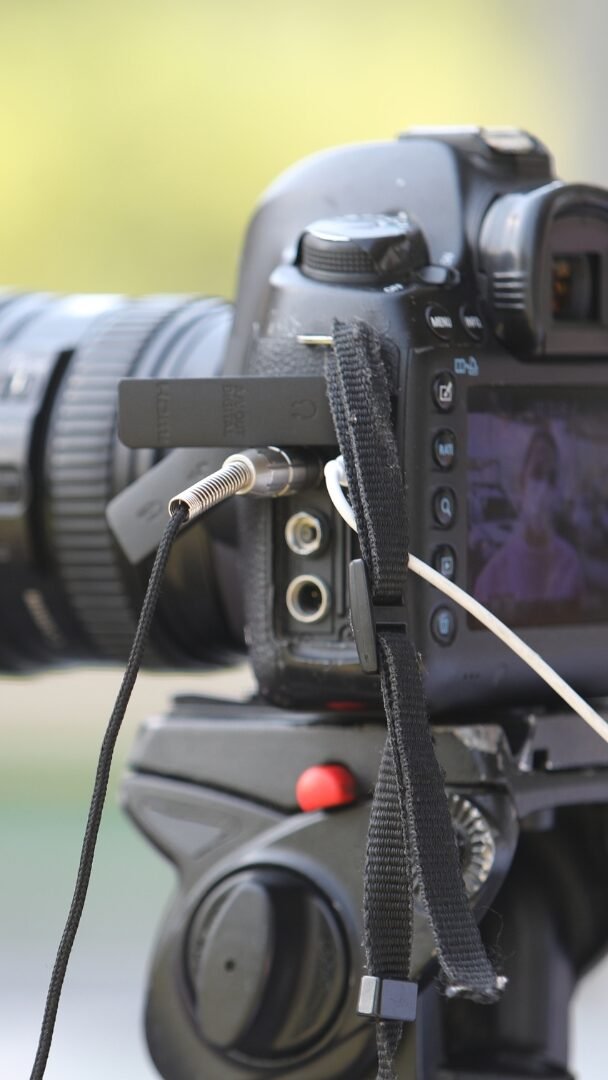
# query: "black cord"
x,y
100,786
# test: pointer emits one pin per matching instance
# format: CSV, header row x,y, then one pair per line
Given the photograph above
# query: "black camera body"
x,y
451,246
487,281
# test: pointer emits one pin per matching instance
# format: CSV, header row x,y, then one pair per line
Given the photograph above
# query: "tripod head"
x,y
257,965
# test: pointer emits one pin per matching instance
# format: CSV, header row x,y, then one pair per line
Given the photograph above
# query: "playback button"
x,y
444,561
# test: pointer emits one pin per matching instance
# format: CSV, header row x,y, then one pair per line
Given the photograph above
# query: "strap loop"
x,y
410,832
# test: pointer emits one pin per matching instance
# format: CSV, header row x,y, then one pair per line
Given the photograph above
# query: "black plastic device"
x,y
490,280
256,969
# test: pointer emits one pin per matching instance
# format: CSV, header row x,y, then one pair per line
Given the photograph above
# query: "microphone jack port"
x,y
307,598
306,533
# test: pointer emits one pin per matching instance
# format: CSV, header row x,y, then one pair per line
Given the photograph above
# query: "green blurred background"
x,y
135,139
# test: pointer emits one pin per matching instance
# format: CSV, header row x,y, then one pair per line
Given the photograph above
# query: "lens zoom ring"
x,y
81,446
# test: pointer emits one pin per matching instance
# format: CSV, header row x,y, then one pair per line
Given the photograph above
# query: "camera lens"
x,y
307,599
67,589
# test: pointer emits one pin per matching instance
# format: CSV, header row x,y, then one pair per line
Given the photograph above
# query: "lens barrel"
x,y
67,590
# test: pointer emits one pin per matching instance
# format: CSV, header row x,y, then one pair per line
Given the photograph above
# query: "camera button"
x,y
472,322
444,391
443,625
321,786
444,561
444,448
439,321
444,507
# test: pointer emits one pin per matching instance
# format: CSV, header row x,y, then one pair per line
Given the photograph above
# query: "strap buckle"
x,y
367,617
387,999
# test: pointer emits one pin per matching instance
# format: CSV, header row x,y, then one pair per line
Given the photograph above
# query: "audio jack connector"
x,y
267,471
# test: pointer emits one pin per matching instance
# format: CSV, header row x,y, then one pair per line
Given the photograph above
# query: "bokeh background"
x,y
135,138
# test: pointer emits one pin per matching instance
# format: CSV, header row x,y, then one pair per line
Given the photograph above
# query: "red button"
x,y
323,786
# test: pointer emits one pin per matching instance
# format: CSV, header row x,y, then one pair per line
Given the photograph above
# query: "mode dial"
x,y
363,249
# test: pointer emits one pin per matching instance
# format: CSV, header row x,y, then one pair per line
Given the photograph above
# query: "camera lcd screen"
x,y
538,504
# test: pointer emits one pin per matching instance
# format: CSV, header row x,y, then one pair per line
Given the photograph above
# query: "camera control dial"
x,y
363,249
268,966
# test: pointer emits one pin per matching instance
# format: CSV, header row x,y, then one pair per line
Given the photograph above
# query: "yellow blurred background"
x,y
135,138
136,135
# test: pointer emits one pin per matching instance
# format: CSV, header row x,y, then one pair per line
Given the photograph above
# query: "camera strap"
x,y
410,838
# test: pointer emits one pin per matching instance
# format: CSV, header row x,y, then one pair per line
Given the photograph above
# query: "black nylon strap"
x,y
387,895
410,830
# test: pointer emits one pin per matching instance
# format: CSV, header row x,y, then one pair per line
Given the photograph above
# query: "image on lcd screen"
x,y
538,504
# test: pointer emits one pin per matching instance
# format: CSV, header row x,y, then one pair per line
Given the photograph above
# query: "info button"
x,y
472,323
444,507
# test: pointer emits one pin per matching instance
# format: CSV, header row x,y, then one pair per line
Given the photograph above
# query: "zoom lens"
x,y
66,588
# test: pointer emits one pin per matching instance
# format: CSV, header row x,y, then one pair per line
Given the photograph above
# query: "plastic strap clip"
x,y
367,617
387,999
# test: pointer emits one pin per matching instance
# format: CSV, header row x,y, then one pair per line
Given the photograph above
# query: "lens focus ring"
x,y
81,445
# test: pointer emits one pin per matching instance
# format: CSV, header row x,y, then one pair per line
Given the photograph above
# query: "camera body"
x,y
489,281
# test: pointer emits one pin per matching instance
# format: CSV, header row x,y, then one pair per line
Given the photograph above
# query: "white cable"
x,y
335,479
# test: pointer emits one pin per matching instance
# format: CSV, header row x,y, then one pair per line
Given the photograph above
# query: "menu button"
x,y
439,321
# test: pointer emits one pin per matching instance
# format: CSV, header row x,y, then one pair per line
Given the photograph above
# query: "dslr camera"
x,y
487,280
